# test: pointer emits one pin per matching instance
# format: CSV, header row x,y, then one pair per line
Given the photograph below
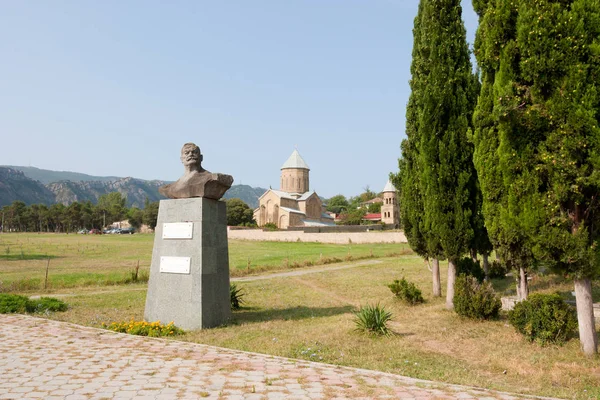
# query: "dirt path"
x,y
303,271
238,279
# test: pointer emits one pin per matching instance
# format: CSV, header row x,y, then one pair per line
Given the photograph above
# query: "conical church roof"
x,y
295,161
389,187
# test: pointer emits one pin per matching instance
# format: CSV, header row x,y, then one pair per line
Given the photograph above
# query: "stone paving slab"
x,y
46,359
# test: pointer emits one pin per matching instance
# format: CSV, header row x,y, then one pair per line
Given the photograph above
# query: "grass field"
x,y
311,317
101,260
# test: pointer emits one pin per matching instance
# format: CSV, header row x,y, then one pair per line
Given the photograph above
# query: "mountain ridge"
x,y
39,186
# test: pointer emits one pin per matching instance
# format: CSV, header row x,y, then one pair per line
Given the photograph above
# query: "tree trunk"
x,y
474,255
585,317
437,285
486,267
522,288
450,286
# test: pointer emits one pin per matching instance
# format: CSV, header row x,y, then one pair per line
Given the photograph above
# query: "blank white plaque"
x,y
175,265
178,230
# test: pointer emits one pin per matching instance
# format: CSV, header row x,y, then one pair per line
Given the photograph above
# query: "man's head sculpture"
x,y
196,181
191,155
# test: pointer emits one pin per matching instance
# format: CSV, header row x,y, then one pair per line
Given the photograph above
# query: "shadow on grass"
x,y
504,286
18,256
251,314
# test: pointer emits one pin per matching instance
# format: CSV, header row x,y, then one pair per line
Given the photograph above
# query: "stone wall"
x,y
337,237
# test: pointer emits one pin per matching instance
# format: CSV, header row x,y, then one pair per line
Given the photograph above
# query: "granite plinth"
x,y
198,299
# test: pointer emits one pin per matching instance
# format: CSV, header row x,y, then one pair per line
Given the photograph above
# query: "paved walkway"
x,y
47,359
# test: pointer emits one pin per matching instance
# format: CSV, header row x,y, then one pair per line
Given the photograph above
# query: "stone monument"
x,y
189,275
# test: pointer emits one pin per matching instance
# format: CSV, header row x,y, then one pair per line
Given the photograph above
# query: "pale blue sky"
x,y
116,87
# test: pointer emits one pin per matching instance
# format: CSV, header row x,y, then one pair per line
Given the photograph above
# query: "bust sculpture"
x,y
196,181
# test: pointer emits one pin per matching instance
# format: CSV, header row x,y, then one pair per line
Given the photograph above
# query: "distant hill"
x,y
246,193
14,185
39,186
135,190
47,176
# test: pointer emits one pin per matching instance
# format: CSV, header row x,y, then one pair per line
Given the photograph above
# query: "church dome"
x,y
295,161
389,187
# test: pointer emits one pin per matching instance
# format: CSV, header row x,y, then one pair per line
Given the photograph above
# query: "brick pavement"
x,y
46,359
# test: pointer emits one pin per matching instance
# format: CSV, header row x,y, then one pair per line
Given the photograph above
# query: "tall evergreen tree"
x,y
408,179
446,98
540,119
503,156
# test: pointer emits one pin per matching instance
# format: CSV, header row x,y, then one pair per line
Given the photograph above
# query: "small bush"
x,y
12,303
475,300
497,270
373,320
466,266
236,295
544,318
46,304
269,226
143,328
406,291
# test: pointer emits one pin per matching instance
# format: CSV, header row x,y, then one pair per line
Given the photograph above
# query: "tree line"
x,y
506,159
111,208
350,210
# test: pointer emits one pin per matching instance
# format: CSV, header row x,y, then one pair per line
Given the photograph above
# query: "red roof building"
x,y
375,217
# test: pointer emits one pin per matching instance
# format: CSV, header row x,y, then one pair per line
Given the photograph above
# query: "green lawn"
x,y
99,260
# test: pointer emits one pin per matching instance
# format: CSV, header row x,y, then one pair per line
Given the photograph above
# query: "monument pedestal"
x,y
189,276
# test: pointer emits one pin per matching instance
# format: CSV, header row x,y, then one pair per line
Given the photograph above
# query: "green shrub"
x,y
12,303
406,291
373,320
269,226
236,295
143,328
46,304
466,266
544,318
475,300
497,270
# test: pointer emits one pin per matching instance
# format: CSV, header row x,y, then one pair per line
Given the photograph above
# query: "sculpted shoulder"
x,y
196,181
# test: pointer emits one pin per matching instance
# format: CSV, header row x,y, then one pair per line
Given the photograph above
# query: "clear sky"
x,y
116,87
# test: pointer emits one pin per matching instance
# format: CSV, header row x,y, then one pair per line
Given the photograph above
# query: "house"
x,y
372,217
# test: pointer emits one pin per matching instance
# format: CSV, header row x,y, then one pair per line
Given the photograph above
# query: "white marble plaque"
x,y
178,230
175,265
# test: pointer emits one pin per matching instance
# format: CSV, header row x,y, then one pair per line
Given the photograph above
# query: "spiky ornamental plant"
x,y
445,100
544,106
408,179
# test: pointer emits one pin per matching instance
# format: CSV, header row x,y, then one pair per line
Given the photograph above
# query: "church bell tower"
x,y
294,175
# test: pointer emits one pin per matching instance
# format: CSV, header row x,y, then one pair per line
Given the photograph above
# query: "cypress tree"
x,y
539,116
446,104
502,156
408,179
563,66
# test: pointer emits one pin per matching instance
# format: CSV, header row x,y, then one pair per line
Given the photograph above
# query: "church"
x,y
293,204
